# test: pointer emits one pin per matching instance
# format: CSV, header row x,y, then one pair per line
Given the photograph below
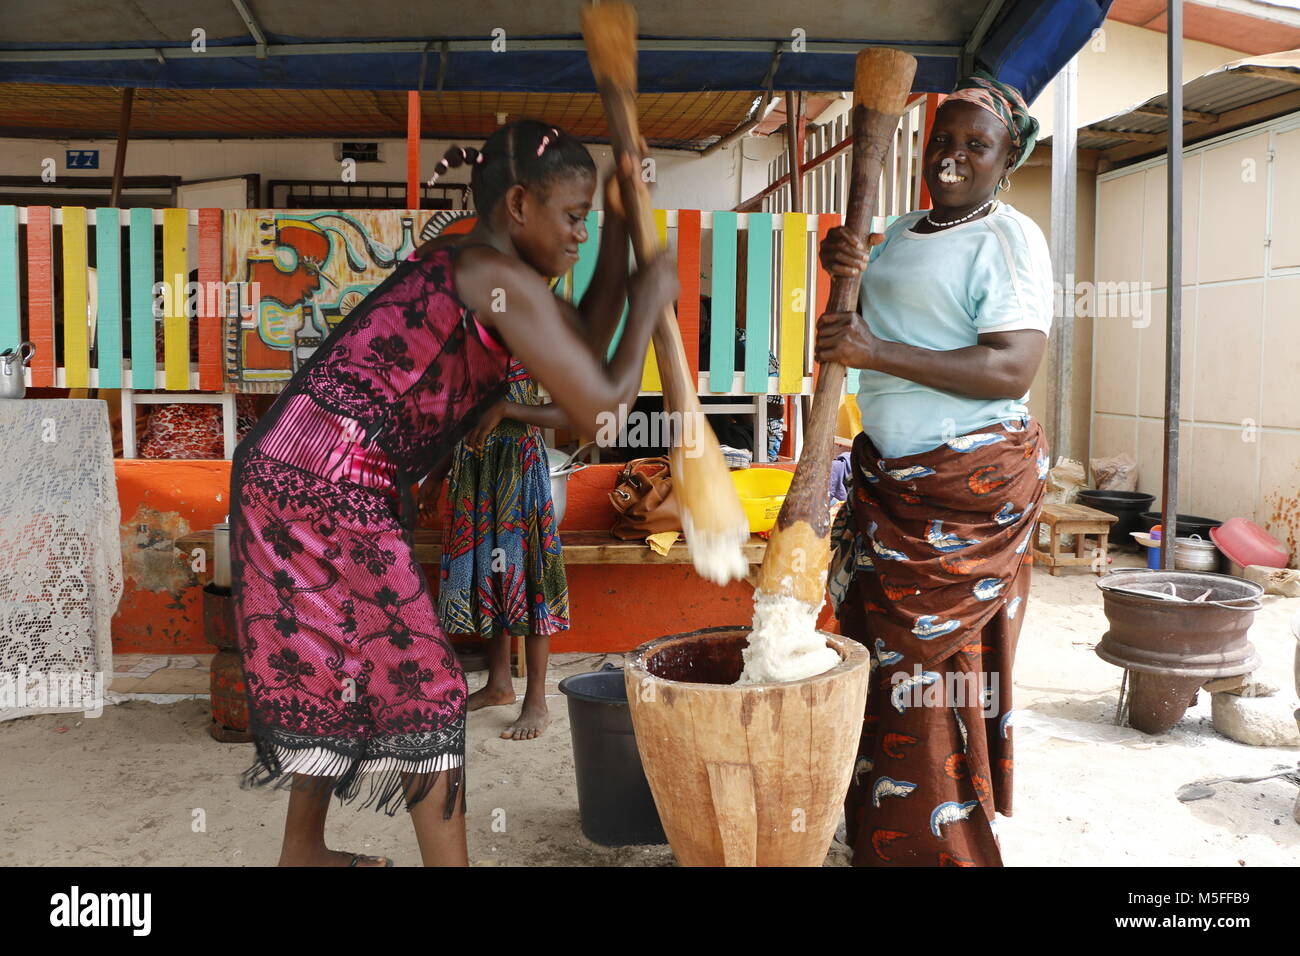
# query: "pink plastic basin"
x,y
1247,543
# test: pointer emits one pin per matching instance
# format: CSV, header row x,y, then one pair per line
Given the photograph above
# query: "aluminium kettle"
x,y
13,382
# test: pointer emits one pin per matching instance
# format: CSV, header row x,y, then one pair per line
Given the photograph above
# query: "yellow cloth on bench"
x,y
662,542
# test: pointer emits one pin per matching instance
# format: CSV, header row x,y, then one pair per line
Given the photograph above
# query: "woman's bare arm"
x,y
602,304
545,343
544,416
1000,365
547,415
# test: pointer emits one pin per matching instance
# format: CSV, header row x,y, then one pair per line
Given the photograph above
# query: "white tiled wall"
x,y
1240,396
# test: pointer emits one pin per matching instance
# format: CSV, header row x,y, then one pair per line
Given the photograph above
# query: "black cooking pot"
x,y
1188,525
1124,505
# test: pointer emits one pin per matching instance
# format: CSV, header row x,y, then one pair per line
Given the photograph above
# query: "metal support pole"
x,y
254,28
412,149
1064,187
1173,283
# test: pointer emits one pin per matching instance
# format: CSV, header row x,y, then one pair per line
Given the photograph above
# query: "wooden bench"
x,y
580,547
1080,521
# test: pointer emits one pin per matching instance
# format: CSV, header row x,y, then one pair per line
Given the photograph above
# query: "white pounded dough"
x,y
784,644
718,556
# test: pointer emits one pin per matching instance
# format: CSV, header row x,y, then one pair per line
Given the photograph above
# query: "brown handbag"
x,y
644,501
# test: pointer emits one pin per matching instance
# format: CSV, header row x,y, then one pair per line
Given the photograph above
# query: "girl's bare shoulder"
x,y
484,273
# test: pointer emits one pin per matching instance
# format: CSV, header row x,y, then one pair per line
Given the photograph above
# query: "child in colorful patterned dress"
x,y
502,567
502,570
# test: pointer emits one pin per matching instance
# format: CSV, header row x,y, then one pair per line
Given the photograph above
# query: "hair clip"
x,y
547,140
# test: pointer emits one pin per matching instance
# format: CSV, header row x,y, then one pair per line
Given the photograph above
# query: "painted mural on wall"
x,y
309,269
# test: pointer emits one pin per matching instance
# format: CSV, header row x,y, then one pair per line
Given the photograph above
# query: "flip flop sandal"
x,y
357,859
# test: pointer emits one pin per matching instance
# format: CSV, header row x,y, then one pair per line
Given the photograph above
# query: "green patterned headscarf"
x,y
1004,102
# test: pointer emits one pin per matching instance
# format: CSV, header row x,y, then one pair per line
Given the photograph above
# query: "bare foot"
x,y
324,857
533,719
490,696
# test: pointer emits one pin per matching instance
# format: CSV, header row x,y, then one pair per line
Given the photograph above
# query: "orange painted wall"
x,y
614,607
161,611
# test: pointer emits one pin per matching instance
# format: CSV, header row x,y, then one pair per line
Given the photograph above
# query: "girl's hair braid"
x,y
456,156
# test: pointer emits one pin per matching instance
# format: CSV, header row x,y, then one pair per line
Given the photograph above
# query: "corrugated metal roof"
x,y
70,22
1223,92
485,45
1233,86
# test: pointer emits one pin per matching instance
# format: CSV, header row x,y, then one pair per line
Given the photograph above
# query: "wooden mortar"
x,y
748,774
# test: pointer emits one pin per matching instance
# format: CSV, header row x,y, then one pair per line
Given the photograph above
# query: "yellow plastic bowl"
x,y
762,492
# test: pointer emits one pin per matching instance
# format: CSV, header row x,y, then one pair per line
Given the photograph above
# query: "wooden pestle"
x,y
714,521
798,552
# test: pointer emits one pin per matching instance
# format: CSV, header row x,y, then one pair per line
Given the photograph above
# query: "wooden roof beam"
x,y
1131,135
1270,73
1189,116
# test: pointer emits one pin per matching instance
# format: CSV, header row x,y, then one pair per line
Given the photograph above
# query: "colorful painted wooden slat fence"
x,y
688,277
650,381
783,294
825,223
758,301
40,292
212,300
582,271
10,309
722,315
143,321
794,300
76,324
108,315
176,325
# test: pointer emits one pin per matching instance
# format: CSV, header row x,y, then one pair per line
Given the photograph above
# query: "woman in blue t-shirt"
x,y
946,480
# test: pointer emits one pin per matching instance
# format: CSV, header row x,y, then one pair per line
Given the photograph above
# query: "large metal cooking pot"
x,y
561,467
1187,637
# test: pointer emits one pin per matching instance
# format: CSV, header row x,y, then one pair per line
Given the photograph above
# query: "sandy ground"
x,y
144,784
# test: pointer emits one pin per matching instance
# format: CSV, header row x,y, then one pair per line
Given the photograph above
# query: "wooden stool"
x,y
1080,521
520,666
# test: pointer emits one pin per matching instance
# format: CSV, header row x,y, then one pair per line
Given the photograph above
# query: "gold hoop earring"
x,y
1004,182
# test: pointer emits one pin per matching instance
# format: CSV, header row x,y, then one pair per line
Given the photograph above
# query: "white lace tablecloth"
x,y
60,554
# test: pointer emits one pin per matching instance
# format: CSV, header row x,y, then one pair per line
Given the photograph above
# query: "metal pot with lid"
x,y
561,466
1193,553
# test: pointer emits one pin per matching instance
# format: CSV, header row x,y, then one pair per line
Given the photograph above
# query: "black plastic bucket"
x,y
1124,505
614,799
1188,525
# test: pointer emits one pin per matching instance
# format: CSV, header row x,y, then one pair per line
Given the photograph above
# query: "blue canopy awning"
x,y
1022,42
